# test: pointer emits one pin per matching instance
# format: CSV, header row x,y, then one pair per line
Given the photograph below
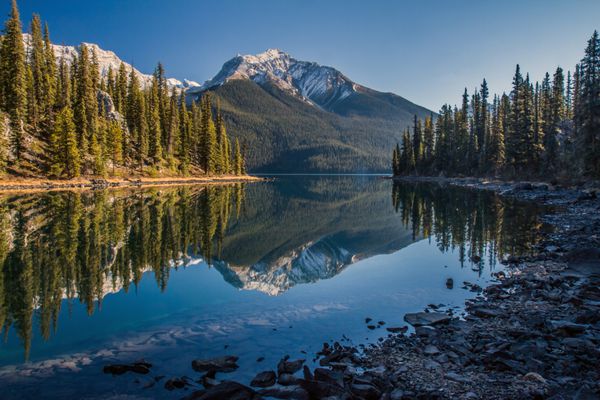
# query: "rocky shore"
x,y
533,334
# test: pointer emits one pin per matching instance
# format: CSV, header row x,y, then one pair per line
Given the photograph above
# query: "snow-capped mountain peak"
x,y
108,60
319,85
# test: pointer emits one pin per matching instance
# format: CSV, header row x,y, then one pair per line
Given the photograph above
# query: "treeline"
x,y
63,119
546,129
76,246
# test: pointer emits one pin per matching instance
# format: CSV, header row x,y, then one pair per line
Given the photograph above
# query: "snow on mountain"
x,y
108,59
320,85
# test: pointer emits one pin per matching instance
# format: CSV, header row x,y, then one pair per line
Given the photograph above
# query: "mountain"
x,y
299,116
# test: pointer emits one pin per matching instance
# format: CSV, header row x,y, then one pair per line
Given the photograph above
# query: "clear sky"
x,y
424,50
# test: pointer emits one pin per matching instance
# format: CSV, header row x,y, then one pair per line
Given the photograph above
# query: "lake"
x,y
258,270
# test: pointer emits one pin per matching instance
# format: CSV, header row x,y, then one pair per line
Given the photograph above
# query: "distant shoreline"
x,y
38,184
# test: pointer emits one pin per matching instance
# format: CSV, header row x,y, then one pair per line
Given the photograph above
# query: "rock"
x,y
365,391
139,367
380,323
226,390
423,318
425,331
397,394
286,379
523,186
567,327
371,327
399,329
295,393
175,383
289,367
484,312
430,364
534,377
449,283
453,376
218,364
319,390
470,396
367,320
264,379
431,350
329,376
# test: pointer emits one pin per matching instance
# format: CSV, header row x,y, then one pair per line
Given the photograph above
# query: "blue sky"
x,y
424,50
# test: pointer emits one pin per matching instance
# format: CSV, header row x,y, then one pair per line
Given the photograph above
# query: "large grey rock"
x,y
424,318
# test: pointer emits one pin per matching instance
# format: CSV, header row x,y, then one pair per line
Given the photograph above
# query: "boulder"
x,y
424,318
218,364
264,379
289,367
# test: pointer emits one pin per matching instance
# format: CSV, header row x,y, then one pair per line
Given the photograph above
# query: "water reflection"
x,y
458,218
60,248
74,245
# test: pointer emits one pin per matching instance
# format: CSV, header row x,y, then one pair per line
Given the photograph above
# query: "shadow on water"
x,y
62,249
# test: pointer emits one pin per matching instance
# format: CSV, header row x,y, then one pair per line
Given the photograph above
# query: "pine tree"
x,y
428,141
65,153
185,135
223,143
496,151
49,83
483,124
155,146
37,66
115,143
417,143
121,84
207,141
395,161
13,75
408,153
590,106
569,96
238,159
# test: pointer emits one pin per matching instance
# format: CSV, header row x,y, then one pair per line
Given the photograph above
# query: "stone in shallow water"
x,y
397,329
218,364
289,367
140,367
423,318
264,379
225,390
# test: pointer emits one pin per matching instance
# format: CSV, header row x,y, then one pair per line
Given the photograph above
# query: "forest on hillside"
x,y
63,119
549,129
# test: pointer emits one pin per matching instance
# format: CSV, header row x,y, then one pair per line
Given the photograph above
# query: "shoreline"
x,y
41,184
533,334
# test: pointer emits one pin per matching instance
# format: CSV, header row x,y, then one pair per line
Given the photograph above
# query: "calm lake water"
x,y
259,270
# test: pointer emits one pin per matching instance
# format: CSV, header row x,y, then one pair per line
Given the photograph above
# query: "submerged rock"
x,y
139,367
289,367
218,364
226,390
264,379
